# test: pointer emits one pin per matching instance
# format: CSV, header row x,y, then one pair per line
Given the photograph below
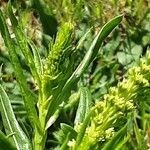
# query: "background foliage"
x,y
41,21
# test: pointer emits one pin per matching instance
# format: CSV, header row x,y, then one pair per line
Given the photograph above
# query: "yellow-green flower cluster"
x,y
61,44
117,104
54,65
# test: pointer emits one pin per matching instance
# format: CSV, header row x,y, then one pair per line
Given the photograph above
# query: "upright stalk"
x,y
40,135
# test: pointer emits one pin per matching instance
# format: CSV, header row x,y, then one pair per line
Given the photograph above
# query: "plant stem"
x,y
40,137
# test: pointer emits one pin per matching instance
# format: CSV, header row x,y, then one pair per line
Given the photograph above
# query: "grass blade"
x,y
11,125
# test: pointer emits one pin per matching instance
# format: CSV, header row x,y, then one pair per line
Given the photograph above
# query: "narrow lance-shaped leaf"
x,y
12,128
83,129
52,119
23,44
84,105
26,93
93,50
37,58
137,135
88,58
83,38
38,63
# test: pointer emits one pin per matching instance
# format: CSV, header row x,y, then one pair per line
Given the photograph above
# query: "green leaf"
x,y
68,134
72,100
52,119
83,38
37,58
124,58
5,144
94,48
116,140
138,135
12,128
64,145
68,129
28,96
23,44
136,51
84,105
83,129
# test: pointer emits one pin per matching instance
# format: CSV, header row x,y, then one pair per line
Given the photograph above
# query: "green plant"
x,y
113,120
54,78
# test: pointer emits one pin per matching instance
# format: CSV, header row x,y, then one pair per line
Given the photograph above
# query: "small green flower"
x,y
58,49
